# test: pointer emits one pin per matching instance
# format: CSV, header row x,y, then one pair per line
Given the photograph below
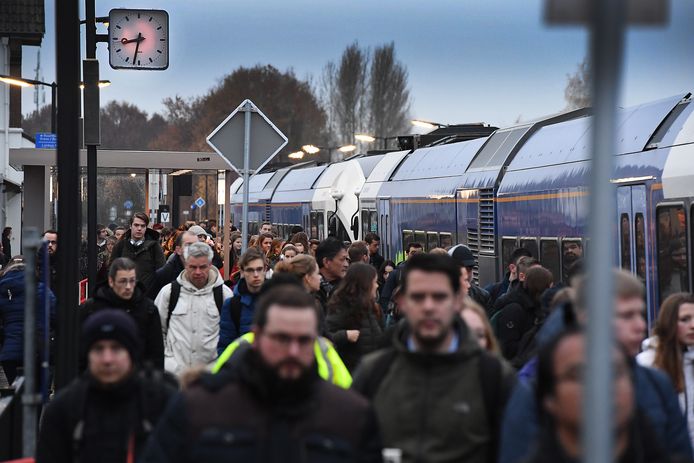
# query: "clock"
x,y
138,39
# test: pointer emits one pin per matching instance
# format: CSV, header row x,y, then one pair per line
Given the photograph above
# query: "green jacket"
x,y
437,407
330,366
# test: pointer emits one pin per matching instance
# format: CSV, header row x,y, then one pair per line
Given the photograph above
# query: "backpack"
x,y
218,292
491,384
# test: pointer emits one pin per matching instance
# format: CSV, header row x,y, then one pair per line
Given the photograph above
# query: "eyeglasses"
x,y
285,340
254,270
421,297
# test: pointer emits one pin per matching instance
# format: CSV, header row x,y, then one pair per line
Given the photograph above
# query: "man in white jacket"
x,y
189,309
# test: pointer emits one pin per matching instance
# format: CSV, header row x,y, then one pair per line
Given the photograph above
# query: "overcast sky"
x,y
468,61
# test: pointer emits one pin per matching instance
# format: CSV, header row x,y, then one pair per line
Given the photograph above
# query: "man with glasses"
x,y
189,310
125,293
438,396
271,406
238,312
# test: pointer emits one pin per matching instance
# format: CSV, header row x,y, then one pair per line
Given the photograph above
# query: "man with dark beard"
x,y
269,404
438,396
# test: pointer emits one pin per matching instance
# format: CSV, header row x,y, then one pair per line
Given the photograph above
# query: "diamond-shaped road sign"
x,y
265,139
200,202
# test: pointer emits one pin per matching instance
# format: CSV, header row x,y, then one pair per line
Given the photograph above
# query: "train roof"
x,y
678,135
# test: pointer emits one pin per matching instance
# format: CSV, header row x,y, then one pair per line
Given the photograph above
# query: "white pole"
x,y
246,170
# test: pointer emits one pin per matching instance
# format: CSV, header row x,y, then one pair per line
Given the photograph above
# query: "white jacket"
x,y
193,331
647,358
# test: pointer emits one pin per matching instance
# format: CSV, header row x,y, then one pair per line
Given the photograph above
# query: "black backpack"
x,y
218,292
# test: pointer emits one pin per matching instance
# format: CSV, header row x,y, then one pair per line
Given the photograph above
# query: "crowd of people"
x,y
326,352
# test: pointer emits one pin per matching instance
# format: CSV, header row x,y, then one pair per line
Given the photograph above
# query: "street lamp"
x,y
296,155
313,149
372,138
427,124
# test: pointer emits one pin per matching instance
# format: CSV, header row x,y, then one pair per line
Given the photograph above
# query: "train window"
x,y
314,225
374,222
640,237
571,251
321,226
531,245
625,242
549,256
673,276
508,245
407,238
421,238
365,222
446,240
432,240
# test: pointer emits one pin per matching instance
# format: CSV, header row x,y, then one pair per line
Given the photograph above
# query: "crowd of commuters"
x,y
325,351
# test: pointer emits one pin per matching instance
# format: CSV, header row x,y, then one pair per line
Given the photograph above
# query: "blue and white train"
x,y
525,185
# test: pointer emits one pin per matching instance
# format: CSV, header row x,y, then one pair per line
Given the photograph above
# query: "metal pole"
x,y
54,109
30,399
226,222
92,81
246,169
68,80
607,40
46,354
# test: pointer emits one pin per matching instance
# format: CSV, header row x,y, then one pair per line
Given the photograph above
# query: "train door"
x,y
633,235
384,228
306,217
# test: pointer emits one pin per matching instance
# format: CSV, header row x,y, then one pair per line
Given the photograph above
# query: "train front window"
x,y
365,222
374,222
673,275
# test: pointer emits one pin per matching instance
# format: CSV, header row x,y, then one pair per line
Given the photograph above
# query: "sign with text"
x,y
46,141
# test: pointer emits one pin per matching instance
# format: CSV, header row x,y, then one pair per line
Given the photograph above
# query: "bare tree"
x,y
349,100
577,91
389,98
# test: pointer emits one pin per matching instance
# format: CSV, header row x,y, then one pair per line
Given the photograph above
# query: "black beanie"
x,y
111,324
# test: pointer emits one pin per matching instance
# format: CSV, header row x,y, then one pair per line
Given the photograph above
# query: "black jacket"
x,y
165,275
148,256
245,414
479,295
143,311
339,321
108,416
516,318
376,260
393,281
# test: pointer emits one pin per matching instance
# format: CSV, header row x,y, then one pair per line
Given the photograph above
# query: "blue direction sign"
x,y
200,202
46,140
128,204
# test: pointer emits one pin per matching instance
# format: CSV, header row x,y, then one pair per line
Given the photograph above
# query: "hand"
x,y
137,46
138,39
352,335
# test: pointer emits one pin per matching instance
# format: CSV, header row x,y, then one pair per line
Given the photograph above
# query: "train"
x,y
522,186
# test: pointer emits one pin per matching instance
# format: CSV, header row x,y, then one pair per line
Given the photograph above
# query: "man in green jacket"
x,y
438,397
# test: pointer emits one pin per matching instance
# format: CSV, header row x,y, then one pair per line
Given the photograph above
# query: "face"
x,y
685,324
414,251
373,247
629,324
312,281
374,288
123,284
52,240
266,228
300,248
429,304
569,365
186,241
103,234
109,362
572,250
137,229
109,246
336,268
202,238
289,254
198,271
119,233
266,245
286,341
465,277
476,326
254,274
386,272
238,244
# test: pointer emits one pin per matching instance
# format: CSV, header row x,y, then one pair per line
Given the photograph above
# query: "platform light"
x,y
364,137
296,155
102,84
133,175
427,124
180,172
310,149
17,82
347,148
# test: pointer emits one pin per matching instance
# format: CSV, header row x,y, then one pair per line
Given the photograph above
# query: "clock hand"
x,y
137,47
125,41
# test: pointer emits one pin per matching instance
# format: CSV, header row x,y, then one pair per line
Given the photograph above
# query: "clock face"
x,y
138,39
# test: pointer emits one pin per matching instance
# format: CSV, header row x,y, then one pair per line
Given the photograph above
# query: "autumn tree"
x,y
37,121
577,91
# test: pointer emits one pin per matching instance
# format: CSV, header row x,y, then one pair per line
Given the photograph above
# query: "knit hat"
x,y
115,325
198,230
462,255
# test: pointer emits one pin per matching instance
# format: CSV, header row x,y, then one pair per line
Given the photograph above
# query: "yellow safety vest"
x,y
330,365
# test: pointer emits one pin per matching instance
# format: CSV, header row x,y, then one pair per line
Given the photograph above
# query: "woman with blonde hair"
x,y
477,322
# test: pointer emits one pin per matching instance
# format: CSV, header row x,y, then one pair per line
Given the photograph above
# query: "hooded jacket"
x,y
516,318
228,331
431,406
165,275
141,309
12,315
148,256
192,332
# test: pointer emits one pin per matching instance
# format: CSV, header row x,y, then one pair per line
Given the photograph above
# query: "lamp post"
x,y
427,124
372,138
313,149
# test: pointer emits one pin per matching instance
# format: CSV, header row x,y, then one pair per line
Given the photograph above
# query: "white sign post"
x,y
249,139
